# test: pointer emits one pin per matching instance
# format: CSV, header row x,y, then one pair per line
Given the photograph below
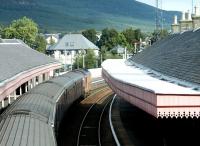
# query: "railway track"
x,y
98,83
83,122
90,128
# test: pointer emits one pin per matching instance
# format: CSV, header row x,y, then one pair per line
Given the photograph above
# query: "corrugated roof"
x,y
16,57
73,42
25,130
29,120
177,56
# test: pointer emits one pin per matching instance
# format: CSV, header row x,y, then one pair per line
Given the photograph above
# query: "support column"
x,y
34,82
15,96
51,73
26,87
9,100
29,85
40,78
2,103
47,76
20,90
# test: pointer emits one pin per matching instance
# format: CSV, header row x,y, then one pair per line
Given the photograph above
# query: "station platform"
x,y
157,97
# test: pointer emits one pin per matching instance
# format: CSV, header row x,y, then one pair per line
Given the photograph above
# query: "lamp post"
x,y
77,59
83,59
72,44
71,61
65,51
125,53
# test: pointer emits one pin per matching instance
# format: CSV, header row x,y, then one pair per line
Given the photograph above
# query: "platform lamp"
x,y
72,44
84,52
77,59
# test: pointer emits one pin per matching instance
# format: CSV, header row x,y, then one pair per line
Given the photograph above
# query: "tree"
x,y
121,40
24,29
52,42
138,35
90,60
40,44
129,34
91,35
1,29
108,39
158,34
78,61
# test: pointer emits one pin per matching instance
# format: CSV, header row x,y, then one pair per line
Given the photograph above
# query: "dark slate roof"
x,y
16,57
177,56
73,42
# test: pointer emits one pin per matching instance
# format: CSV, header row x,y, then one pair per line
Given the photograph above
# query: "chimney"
x,y
196,11
183,16
175,19
186,15
189,15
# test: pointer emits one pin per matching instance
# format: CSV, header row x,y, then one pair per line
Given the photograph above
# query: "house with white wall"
x,y
69,46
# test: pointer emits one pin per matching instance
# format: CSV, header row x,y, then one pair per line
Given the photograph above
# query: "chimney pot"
x,y
196,11
183,15
175,19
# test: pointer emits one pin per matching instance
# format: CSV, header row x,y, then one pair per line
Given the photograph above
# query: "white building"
x,y
51,37
69,46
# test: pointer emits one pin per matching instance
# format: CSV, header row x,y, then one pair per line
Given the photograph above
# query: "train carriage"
x,y
42,109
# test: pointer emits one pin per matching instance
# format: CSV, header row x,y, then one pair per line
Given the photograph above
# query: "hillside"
x,y
68,15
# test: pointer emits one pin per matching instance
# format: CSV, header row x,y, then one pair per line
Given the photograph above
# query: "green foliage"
x,y
129,35
52,42
110,55
158,34
138,35
109,39
121,40
78,61
40,44
24,29
1,29
132,35
91,35
90,60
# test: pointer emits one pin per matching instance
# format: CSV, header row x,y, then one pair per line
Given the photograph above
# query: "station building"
x,y
21,69
71,45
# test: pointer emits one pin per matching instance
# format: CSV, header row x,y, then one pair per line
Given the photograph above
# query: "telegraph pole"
x,y
192,6
157,15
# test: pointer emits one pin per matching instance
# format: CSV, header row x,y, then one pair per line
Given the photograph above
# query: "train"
x,y
34,118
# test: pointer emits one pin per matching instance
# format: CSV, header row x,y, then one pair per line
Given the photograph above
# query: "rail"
x,y
110,121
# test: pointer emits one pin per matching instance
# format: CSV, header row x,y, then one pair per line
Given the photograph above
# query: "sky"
x,y
178,5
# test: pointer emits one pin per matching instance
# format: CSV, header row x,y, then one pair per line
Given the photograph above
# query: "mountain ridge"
x,y
76,15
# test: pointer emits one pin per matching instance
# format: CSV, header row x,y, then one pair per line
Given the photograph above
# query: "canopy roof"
x,y
177,56
16,57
